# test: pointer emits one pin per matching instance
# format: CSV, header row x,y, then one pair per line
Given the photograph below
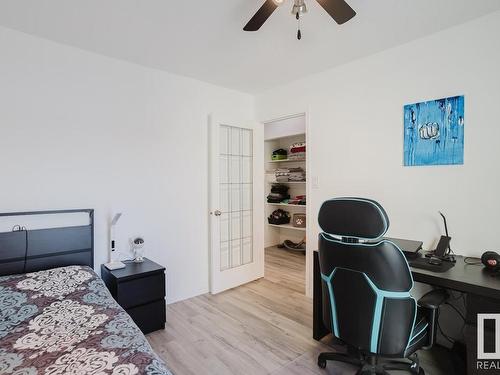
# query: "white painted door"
x,y
236,204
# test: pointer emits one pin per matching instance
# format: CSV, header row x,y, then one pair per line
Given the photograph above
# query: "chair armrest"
x,y
434,299
430,302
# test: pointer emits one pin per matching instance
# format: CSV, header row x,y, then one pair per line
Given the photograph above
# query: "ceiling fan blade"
x,y
261,16
339,10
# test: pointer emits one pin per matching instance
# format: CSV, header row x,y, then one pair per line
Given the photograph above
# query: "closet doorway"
x,y
286,193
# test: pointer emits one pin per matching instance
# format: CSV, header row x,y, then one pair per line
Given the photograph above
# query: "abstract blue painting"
x,y
434,132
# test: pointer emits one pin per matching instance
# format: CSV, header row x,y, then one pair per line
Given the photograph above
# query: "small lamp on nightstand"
x,y
113,263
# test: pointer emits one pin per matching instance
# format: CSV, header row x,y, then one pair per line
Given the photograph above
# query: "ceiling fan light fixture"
x,y
339,10
299,6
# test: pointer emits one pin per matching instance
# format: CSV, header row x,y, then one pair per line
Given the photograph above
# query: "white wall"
x,y
355,142
78,130
81,130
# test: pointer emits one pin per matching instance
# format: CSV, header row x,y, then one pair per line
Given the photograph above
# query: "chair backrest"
x,y
366,279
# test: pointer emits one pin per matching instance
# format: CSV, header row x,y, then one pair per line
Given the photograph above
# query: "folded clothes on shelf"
x,y
297,151
298,199
279,188
278,194
276,198
299,147
282,174
296,174
290,174
297,156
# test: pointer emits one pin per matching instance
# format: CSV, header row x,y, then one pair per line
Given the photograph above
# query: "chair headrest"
x,y
359,218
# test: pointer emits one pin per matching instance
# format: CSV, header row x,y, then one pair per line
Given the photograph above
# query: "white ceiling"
x,y
204,39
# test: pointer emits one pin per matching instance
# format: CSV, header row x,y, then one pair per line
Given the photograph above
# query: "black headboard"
x,y
41,249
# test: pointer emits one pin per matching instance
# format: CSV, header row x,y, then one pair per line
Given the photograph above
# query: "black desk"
x,y
481,288
466,278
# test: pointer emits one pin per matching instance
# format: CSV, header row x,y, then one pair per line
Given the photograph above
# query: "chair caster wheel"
x,y
321,363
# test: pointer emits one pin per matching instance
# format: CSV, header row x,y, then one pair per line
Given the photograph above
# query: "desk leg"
x,y
319,329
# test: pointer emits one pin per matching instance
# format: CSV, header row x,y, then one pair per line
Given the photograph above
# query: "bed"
x,y
57,317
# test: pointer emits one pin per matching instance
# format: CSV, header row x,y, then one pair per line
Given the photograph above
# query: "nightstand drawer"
x,y
141,290
150,317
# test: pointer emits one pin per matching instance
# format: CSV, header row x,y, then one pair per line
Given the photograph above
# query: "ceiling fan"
x,y
339,10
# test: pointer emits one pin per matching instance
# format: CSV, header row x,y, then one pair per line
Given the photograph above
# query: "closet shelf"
x,y
287,182
287,226
286,205
285,137
287,161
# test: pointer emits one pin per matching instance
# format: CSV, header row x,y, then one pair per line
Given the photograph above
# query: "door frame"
x,y
311,241
258,205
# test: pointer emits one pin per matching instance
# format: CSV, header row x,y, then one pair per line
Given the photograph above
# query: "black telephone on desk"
x,y
443,250
441,259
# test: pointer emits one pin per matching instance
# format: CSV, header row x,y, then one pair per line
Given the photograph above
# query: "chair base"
x,y
371,365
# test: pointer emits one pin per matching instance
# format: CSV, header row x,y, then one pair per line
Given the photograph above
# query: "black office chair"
x,y
366,291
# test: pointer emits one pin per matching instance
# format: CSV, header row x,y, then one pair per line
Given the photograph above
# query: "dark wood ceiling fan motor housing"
x,y
339,10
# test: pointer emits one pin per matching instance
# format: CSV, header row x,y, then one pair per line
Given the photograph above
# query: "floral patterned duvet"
x,y
64,321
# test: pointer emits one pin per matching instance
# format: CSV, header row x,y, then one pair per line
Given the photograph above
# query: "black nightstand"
x,y
140,289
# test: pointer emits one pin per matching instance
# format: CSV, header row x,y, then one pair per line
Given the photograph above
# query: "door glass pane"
x,y
224,256
247,224
246,142
247,250
224,198
235,197
235,191
224,228
235,253
246,169
246,197
224,169
235,141
234,170
235,225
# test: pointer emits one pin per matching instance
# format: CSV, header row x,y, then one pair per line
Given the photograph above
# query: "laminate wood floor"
x,y
286,268
264,327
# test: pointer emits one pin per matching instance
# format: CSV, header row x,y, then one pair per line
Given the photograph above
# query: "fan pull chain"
x,y
299,34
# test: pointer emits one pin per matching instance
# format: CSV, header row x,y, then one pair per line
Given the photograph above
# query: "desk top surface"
x,y
462,277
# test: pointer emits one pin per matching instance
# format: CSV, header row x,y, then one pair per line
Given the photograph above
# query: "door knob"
x,y
217,213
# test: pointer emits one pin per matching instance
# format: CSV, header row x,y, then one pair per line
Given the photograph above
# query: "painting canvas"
x,y
434,132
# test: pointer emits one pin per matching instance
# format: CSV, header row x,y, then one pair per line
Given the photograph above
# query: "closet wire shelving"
x,y
297,184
